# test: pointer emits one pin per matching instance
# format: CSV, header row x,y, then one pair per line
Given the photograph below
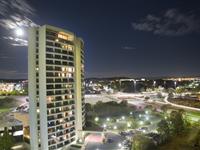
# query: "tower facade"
x,y
56,90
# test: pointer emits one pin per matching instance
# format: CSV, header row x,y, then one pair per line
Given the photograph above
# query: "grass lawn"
x,y
181,142
2,110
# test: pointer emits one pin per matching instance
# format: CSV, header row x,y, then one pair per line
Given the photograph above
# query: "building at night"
x,y
56,75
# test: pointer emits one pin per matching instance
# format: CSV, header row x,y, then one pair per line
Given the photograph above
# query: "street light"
x,y
141,122
115,127
96,119
123,118
107,119
104,125
175,83
131,113
120,145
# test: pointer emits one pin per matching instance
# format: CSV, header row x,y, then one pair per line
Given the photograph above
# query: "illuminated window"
x,y
49,98
69,75
70,96
65,36
63,68
70,47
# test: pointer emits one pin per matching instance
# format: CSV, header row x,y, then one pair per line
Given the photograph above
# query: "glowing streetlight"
x,y
107,119
128,125
146,112
96,119
120,145
154,84
115,127
123,118
175,83
19,32
104,125
131,113
141,122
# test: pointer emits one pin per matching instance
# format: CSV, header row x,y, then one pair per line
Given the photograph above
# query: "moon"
x,y
19,32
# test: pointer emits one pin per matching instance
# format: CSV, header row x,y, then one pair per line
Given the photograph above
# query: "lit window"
x,y
70,96
49,98
70,47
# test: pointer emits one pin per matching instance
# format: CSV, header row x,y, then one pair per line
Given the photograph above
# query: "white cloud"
x,y
16,14
172,23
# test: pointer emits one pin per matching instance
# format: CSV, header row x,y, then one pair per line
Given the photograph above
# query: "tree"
x,y
164,108
176,122
163,129
149,108
6,141
197,140
141,142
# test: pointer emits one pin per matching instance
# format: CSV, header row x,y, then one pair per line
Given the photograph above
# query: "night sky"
x,y
134,38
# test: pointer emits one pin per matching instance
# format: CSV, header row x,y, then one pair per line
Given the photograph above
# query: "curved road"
x,y
180,106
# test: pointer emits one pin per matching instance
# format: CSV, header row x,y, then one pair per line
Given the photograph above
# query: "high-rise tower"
x,y
56,76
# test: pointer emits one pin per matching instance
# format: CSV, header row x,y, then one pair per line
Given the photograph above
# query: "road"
x,y
107,146
180,106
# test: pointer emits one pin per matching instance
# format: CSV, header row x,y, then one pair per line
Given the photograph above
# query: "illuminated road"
x,y
180,106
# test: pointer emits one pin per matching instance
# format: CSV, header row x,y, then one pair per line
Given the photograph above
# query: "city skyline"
x,y
133,38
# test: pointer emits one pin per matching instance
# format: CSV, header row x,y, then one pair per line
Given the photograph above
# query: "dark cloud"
x,y
172,23
128,48
16,14
12,74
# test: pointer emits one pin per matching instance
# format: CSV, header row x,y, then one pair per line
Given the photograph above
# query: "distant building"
x,y
55,74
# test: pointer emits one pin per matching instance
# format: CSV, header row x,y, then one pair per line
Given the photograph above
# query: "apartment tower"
x,y
56,88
